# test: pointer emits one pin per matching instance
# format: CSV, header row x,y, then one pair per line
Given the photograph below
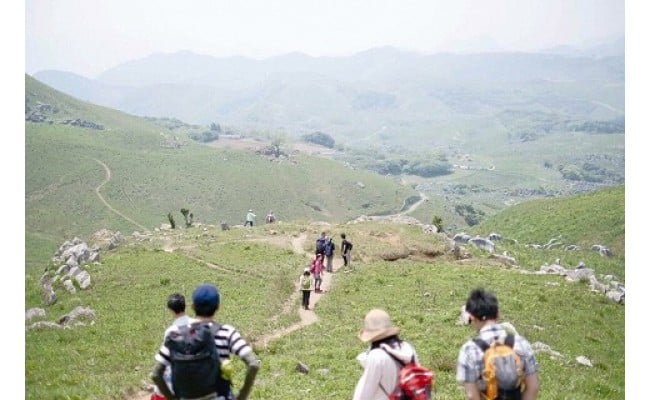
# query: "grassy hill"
x,y
423,290
585,220
154,170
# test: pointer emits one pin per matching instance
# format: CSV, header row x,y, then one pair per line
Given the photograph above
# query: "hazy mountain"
x,y
403,93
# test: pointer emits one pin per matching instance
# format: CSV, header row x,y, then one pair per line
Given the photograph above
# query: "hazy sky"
x,y
90,36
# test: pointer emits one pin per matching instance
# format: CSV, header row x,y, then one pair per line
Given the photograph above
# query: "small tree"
x,y
437,222
188,218
170,217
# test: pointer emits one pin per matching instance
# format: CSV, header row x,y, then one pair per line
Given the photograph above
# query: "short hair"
x,y
176,303
482,304
342,235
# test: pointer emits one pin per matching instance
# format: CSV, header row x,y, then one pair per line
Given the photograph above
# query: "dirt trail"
x,y
101,198
307,317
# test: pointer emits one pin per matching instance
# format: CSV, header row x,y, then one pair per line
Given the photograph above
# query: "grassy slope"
x,y
585,220
422,294
148,180
109,359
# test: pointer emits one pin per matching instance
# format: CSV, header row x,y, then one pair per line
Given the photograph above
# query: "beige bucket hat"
x,y
376,326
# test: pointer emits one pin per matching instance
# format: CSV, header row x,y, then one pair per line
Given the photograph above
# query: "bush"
x,y
320,138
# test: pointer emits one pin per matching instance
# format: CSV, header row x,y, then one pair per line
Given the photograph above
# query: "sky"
x,y
89,36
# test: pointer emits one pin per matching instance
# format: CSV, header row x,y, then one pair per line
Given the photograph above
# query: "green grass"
x,y
256,273
150,179
256,269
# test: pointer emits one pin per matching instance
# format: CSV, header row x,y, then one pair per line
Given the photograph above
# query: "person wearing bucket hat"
x,y
381,360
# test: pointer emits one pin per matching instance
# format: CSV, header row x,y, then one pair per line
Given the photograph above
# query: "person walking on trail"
x,y
321,242
176,305
270,218
329,255
227,342
317,271
346,249
250,218
381,360
306,285
483,309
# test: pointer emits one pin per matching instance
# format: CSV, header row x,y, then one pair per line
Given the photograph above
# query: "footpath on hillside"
x,y
307,317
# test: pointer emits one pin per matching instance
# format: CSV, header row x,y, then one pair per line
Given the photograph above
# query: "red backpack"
x,y
414,382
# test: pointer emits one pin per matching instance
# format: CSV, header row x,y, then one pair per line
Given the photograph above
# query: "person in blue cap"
x,y
205,303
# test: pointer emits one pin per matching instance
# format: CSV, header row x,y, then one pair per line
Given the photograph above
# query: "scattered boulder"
x,y
504,259
602,250
69,286
462,238
76,315
539,347
483,244
45,325
302,368
34,313
494,237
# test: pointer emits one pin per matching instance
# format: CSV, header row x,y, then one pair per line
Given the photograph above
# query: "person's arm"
x,y
532,387
252,366
157,377
471,391
368,383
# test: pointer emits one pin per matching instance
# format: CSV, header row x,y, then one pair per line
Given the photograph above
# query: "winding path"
x,y
101,198
307,317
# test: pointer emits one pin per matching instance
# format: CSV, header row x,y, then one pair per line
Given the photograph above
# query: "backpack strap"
x,y
510,342
482,344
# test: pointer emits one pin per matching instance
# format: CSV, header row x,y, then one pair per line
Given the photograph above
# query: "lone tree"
x,y
437,222
188,219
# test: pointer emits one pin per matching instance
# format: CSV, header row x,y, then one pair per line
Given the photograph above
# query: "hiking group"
x,y
311,278
194,360
497,364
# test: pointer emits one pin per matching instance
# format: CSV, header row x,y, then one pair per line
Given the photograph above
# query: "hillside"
x,y
594,218
89,167
482,130
412,274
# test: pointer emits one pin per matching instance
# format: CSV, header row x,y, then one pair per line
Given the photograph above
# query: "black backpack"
x,y
196,368
320,245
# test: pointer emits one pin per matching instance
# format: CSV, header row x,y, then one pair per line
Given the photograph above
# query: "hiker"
x,y
346,248
317,270
176,305
383,359
270,218
227,341
329,255
321,242
483,309
250,218
306,285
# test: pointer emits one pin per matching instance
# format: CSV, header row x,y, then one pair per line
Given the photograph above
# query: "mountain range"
x,y
414,99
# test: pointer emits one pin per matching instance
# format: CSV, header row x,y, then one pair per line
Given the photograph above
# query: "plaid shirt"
x,y
470,356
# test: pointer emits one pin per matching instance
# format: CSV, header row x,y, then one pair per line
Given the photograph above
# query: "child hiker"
x,y
317,270
306,284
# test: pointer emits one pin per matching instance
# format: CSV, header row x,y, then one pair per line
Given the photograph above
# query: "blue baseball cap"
x,y
206,294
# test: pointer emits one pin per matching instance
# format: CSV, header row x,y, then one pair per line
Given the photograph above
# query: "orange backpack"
x,y
502,369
